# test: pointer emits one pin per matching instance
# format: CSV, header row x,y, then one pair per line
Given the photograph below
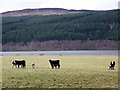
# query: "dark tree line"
x,y
99,25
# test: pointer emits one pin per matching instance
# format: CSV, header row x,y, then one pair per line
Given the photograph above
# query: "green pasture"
x,y
77,71
0,72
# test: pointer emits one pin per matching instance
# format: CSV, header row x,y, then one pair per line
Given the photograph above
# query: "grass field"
x,y
0,72
77,71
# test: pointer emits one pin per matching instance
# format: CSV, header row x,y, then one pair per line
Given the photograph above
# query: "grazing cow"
x,y
33,66
13,63
55,63
18,63
112,65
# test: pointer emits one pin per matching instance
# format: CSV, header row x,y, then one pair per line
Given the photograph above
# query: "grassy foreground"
x,y
0,72
77,71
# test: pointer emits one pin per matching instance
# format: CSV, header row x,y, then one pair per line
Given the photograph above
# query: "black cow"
x,y
112,65
55,63
18,63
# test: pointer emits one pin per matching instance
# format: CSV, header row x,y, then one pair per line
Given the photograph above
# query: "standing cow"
x,y
18,63
112,65
55,63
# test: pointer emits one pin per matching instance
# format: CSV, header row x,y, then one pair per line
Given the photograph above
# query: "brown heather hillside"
x,y
40,11
63,45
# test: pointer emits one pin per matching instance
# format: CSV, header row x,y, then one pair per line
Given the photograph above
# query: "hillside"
x,y
41,11
90,25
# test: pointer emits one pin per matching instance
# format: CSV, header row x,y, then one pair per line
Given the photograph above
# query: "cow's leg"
x,y
58,66
24,65
55,66
52,66
113,68
18,65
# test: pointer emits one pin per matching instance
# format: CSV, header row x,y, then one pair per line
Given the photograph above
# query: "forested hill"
x,y
96,25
